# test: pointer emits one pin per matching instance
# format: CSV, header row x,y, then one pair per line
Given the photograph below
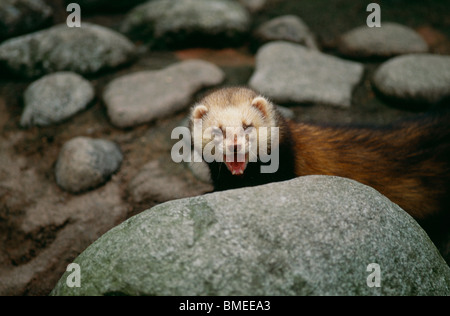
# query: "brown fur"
x,y
407,162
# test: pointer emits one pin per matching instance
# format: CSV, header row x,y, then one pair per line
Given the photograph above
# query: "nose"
x,y
235,148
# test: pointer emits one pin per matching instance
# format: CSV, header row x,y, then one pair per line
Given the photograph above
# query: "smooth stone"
x,y
291,73
389,40
55,98
148,95
85,50
86,163
418,78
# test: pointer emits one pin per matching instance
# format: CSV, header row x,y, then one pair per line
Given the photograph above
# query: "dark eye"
x,y
246,126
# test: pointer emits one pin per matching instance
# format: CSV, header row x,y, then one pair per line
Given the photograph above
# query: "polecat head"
x,y
235,126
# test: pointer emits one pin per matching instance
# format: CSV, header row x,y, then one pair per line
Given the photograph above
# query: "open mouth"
x,y
238,165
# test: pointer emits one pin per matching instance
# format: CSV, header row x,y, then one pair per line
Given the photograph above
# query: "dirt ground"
x,y
28,156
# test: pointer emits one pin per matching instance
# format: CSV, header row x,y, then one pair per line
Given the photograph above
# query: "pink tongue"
x,y
236,168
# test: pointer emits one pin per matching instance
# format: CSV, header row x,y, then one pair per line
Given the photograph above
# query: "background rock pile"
x,y
86,113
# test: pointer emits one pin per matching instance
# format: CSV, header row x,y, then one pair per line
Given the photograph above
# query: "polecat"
x,y
409,162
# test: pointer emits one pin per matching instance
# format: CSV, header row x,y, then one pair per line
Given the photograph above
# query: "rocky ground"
x,y
97,155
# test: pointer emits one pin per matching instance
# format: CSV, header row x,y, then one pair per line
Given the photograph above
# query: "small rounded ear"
x,y
199,112
262,105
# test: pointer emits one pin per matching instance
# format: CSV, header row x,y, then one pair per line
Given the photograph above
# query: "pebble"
x,y
148,95
389,40
418,78
55,98
86,163
288,28
291,73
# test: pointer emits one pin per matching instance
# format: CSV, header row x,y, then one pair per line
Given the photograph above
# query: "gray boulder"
x,y
421,78
84,50
18,17
388,40
288,28
148,95
313,235
55,98
86,163
176,23
291,73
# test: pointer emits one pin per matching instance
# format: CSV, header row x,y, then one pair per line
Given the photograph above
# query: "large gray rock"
x,y
55,98
18,17
291,73
286,28
148,95
421,78
388,40
188,22
310,236
84,50
86,163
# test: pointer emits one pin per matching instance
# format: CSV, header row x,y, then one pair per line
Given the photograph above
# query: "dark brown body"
x,y
408,162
